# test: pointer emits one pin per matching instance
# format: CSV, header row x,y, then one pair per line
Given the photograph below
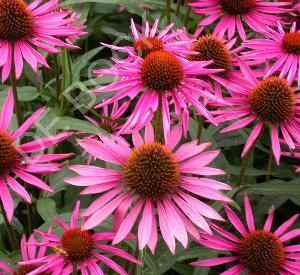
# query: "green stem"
x,y
200,128
168,11
37,82
270,165
11,233
178,7
187,16
75,269
13,83
63,84
57,80
158,122
139,268
245,164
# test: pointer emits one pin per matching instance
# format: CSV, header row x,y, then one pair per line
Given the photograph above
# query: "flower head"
x,y
25,28
271,101
15,161
151,40
259,251
283,50
80,246
151,176
159,78
233,14
29,252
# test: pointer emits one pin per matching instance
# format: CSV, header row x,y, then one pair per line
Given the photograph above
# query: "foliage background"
x,y
278,188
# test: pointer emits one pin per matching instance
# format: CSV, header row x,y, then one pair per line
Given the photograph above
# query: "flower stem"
x,y
200,128
245,164
75,269
138,268
178,7
168,11
158,122
57,80
187,16
270,165
13,83
11,233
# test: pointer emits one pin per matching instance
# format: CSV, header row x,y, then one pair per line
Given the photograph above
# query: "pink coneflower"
x,y
213,47
151,40
281,47
25,28
160,78
147,178
29,252
233,14
15,161
258,251
270,101
79,246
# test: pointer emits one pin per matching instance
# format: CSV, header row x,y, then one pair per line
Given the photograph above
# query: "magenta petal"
x,y
128,223
145,225
6,200
215,261
236,222
7,111
249,213
286,225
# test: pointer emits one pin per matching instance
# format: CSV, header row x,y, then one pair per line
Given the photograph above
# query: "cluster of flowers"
x,y
154,186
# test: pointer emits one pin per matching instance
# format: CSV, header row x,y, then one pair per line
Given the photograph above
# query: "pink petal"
x,y
248,213
7,111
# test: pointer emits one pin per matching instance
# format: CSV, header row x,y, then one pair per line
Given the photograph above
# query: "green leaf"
x,y
82,61
289,189
73,124
46,207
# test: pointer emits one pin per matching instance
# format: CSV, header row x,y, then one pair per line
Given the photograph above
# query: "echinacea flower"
x,y
26,28
148,177
79,246
158,79
281,47
151,40
29,252
258,251
14,158
271,101
213,47
234,14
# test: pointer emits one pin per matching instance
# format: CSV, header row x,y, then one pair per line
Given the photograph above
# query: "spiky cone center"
x,y
25,269
147,45
152,171
161,71
16,21
273,100
291,42
77,245
237,7
262,252
8,152
209,47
